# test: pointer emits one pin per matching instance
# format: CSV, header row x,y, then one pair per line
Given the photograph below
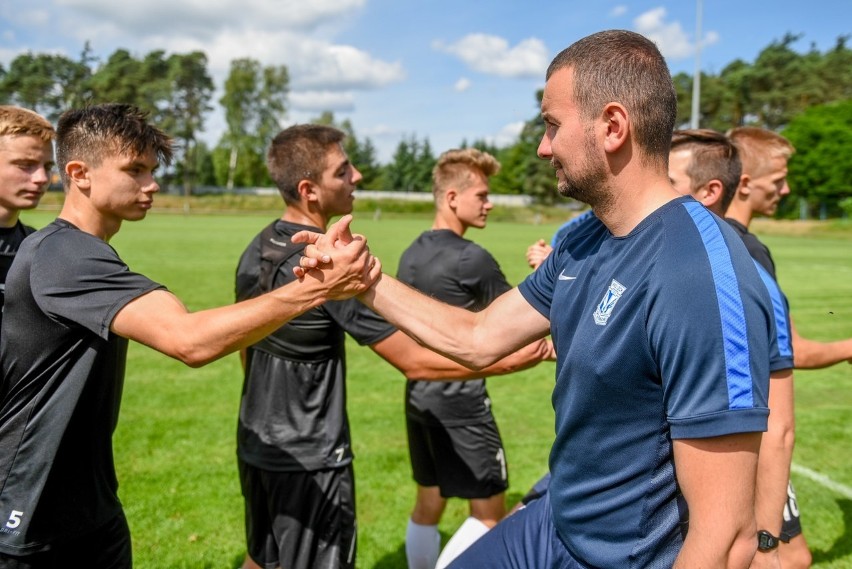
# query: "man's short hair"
x,y
17,121
95,132
299,153
627,68
454,168
713,157
758,146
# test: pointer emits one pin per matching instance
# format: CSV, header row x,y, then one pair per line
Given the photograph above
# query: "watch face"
x,y
766,541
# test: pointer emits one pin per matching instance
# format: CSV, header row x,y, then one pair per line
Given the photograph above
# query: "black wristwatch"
x,y
766,541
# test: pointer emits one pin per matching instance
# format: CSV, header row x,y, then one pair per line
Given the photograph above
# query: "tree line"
x,y
805,96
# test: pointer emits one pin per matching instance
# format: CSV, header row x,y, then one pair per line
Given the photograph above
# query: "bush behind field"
x,y
249,204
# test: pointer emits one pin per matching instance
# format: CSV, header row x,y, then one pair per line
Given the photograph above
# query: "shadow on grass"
x,y
843,546
237,561
394,560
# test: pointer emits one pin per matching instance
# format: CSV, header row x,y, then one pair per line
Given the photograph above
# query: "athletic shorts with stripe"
x,y
465,461
300,520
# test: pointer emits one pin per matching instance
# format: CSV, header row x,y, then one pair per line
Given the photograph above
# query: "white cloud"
x,y
507,135
493,55
313,64
321,101
671,39
27,18
205,17
617,11
462,85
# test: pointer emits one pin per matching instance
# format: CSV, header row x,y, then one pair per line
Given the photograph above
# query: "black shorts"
x,y
792,525
467,461
108,547
300,520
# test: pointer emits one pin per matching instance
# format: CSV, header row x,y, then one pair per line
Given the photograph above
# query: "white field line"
x,y
822,479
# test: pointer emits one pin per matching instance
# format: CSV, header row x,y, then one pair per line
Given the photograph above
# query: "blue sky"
x,y
446,70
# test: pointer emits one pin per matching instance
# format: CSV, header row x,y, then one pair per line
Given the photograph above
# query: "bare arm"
x,y
160,320
474,339
773,466
716,476
810,354
418,362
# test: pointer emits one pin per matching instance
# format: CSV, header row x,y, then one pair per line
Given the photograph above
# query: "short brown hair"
x,y
758,146
299,153
17,121
92,133
714,157
454,168
624,67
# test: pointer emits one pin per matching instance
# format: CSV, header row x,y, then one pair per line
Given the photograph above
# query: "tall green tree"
x,y
255,102
46,83
189,102
410,169
820,171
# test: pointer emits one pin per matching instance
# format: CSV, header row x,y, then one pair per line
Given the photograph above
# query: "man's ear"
x,y
743,188
713,191
617,124
450,197
77,173
307,191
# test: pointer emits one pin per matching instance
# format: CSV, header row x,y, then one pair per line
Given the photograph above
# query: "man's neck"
x,y
9,217
448,221
633,202
297,214
741,212
78,211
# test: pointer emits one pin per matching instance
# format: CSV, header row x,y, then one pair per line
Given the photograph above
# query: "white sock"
x,y
422,545
470,531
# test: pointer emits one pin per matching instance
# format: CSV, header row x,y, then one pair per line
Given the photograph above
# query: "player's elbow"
x,y
192,354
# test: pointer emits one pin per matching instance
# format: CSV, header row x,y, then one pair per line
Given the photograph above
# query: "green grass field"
x,y
175,443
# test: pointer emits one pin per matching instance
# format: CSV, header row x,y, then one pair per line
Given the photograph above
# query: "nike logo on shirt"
x,y
564,277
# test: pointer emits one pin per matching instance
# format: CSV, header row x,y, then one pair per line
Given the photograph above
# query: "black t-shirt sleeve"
x,y
248,272
480,273
80,279
364,325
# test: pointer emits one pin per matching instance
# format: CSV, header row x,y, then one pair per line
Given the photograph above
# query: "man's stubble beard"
x,y
590,184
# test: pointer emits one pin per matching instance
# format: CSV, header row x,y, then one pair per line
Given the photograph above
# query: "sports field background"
x,y
175,443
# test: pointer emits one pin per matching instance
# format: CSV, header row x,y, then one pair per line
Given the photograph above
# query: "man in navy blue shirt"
x,y
662,330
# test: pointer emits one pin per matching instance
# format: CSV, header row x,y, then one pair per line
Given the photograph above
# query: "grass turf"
x,y
175,449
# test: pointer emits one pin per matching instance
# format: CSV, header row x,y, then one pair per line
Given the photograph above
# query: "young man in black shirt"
x,y
26,159
72,305
293,443
763,184
453,440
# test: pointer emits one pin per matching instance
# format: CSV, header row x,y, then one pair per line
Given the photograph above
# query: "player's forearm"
x,y
810,354
525,358
773,473
448,330
707,551
201,337
773,466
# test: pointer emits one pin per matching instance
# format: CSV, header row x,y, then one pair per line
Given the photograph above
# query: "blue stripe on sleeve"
x,y
779,309
731,312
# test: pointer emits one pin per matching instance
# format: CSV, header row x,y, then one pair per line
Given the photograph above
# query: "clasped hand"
x,y
339,259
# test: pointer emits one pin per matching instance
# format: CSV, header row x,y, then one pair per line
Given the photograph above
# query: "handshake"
x,y
339,260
